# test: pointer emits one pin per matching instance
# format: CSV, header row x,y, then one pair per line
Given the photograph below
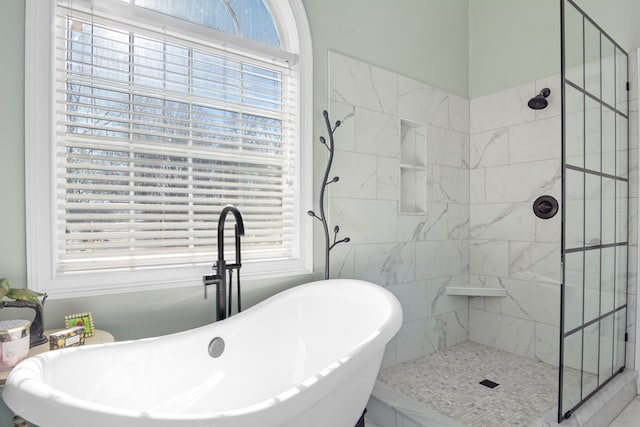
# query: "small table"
x,y
99,337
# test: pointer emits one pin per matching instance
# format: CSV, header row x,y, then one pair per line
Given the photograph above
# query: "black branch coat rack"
x,y
326,182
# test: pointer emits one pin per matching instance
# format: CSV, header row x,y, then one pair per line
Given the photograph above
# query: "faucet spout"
x,y
219,279
239,231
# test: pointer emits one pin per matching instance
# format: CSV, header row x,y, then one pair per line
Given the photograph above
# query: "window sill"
x,y
74,285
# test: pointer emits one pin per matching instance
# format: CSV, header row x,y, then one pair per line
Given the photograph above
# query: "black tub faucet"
x,y
219,279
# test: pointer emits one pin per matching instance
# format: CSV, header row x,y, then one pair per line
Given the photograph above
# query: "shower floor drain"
x,y
489,383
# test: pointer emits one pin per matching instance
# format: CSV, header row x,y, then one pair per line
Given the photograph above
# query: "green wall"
x,y
512,42
424,39
619,18
12,221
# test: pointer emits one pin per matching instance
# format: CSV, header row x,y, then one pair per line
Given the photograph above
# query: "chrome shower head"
x,y
539,101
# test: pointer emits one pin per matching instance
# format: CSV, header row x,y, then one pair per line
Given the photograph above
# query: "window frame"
x,y
40,200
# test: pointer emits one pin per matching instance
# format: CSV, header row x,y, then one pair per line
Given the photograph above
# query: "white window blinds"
x,y
155,133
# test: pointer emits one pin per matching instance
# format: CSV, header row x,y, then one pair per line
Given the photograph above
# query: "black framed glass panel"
x,y
595,203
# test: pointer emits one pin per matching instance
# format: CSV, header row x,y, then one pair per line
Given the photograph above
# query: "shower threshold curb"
x,y
389,407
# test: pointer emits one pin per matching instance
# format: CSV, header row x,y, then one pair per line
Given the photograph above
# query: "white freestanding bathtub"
x,y
307,357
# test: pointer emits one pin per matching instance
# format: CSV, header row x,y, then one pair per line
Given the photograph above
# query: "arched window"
x,y
248,19
144,119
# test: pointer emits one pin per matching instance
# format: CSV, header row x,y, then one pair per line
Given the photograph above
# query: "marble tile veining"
x,y
402,155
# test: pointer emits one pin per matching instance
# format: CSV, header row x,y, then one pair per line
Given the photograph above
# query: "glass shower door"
x,y
595,202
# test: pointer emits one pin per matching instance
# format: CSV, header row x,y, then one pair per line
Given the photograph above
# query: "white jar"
x,y
14,342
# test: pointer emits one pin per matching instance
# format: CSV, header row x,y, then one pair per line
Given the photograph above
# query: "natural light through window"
x,y
249,19
163,113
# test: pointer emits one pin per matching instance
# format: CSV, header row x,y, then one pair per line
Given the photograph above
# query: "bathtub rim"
x,y
32,370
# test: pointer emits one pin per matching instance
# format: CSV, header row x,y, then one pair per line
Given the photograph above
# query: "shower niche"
x,y
413,167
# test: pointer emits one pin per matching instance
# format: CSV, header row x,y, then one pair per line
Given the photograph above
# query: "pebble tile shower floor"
x,y
448,382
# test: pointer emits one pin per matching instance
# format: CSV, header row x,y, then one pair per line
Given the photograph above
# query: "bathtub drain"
x,y
216,347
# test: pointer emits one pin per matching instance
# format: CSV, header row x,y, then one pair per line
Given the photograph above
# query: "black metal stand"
x,y
360,422
36,330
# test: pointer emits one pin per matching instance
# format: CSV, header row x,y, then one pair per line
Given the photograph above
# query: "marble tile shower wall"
x,y
486,161
414,255
515,157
